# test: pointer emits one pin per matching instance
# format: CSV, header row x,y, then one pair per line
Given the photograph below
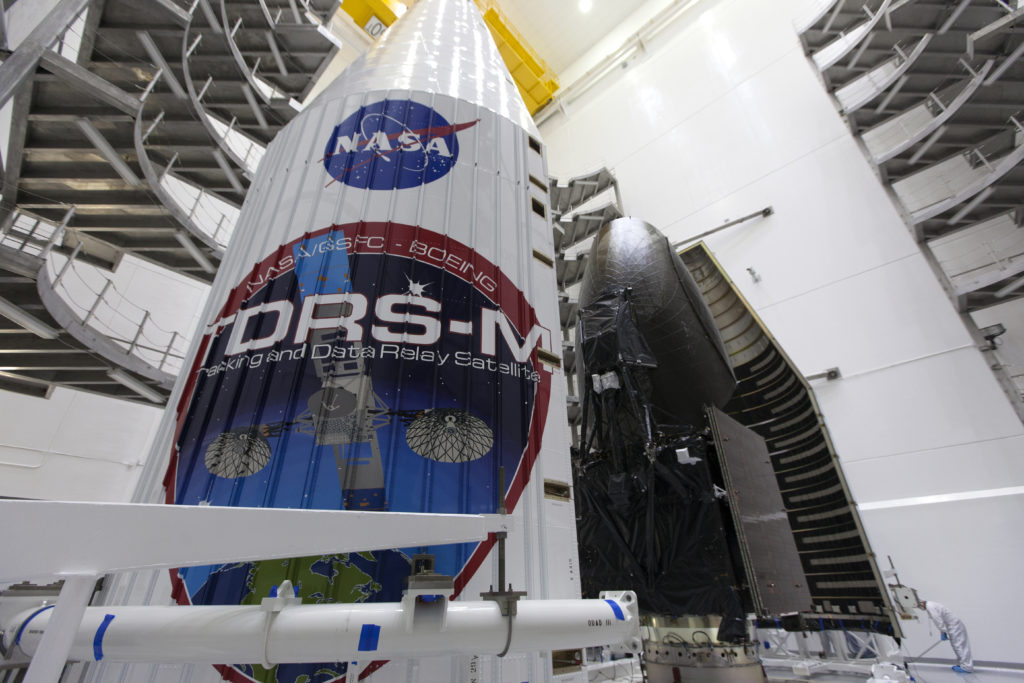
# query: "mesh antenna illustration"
x,y
449,435
346,412
238,452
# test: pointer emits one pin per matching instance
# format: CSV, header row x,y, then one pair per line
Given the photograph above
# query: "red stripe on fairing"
x,y
508,297
399,239
371,667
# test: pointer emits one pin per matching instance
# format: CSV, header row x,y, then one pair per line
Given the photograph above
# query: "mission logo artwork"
x,y
370,366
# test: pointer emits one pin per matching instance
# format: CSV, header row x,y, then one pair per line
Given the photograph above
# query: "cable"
x,y
711,643
508,638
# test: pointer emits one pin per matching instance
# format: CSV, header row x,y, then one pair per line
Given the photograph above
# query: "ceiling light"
x,y
586,5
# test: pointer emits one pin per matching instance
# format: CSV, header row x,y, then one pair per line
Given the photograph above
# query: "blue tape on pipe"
x,y
21,629
97,641
369,637
618,610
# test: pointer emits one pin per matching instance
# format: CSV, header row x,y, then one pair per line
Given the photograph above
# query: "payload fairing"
x,y
380,334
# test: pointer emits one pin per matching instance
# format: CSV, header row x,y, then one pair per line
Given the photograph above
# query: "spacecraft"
x,y
649,478
704,480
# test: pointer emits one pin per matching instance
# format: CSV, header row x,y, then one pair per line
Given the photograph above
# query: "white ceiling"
x,y
559,32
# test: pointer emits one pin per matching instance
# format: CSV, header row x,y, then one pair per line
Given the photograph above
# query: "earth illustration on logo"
x,y
369,366
392,145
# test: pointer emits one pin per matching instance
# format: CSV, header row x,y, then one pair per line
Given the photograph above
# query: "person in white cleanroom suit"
x,y
952,629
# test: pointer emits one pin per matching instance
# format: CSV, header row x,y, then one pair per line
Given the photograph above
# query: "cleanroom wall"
x,y
72,446
721,115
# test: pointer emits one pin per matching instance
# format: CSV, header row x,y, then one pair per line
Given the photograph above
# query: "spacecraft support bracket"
x,y
506,598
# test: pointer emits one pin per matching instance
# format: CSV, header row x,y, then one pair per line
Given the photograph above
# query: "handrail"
x,y
212,227
265,89
870,85
812,13
107,312
206,118
68,48
968,174
32,235
847,40
125,332
964,89
247,151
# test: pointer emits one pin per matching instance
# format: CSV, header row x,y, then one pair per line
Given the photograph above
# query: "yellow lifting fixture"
x,y
374,16
535,80
537,83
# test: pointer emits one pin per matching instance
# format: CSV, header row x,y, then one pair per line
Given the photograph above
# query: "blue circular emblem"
x,y
392,145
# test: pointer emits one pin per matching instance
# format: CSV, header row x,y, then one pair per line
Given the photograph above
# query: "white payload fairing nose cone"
x,y
377,323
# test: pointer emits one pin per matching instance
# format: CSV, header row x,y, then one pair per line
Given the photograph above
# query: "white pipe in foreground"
x,y
281,633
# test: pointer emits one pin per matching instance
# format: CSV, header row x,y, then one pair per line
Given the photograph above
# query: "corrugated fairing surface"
x,y
372,337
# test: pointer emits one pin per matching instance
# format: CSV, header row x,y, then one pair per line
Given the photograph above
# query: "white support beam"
x,y
26,320
860,50
22,63
82,79
1005,64
927,144
1009,288
832,17
108,152
274,50
180,14
969,206
197,255
158,59
3,27
946,25
99,538
55,645
211,16
230,172
893,91
257,111
136,385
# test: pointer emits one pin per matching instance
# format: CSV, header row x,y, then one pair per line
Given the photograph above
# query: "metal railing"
x,y
33,235
810,12
243,148
69,41
262,86
99,305
212,215
245,152
848,40
971,172
93,299
203,212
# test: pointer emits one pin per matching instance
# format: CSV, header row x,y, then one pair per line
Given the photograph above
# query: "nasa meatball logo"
x,y
392,145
